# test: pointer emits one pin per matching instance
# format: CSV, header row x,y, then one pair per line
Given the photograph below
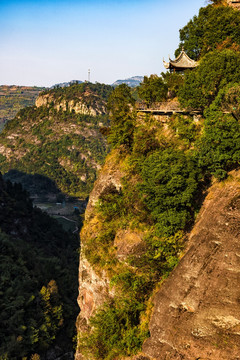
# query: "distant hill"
x,y
132,82
59,138
13,98
64,84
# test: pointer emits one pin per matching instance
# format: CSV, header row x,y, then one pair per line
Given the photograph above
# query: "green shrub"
x,y
168,189
185,128
115,330
215,71
219,147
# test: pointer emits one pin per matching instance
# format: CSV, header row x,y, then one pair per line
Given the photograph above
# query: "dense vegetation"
x,y
215,71
153,89
88,92
14,98
215,28
38,281
61,145
167,171
156,88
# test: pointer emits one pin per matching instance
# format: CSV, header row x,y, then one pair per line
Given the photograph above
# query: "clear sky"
x,y
51,41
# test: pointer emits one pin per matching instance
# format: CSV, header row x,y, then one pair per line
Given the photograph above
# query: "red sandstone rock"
x,y
197,310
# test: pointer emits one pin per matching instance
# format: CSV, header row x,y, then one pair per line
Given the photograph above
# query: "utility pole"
x,y
88,75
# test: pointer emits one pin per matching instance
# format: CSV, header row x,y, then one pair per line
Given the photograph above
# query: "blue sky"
x,y
46,42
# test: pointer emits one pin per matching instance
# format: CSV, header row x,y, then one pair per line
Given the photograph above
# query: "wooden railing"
x,y
165,108
166,105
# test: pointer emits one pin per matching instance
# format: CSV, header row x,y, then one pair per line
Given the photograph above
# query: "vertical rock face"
x,y
78,106
93,291
94,285
197,310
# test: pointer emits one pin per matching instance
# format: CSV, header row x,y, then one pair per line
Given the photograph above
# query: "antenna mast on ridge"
x,y
88,75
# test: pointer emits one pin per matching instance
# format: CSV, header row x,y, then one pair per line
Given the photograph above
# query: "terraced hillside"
x,y
13,98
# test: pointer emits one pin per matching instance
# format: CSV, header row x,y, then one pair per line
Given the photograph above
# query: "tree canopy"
x,y
215,27
216,70
120,106
153,89
38,283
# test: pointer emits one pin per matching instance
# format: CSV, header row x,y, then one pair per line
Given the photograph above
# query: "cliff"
x,y
79,106
196,312
85,98
154,283
235,4
94,287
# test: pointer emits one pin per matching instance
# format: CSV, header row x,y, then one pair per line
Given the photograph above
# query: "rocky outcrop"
x,y
128,243
94,290
94,285
196,312
109,177
78,106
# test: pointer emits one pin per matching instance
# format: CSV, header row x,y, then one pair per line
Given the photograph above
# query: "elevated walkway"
x,y
169,112
166,108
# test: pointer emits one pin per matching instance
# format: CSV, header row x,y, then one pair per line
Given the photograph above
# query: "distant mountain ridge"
x,y
132,81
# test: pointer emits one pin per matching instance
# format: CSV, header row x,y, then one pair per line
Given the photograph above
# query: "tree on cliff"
x,y
215,27
216,70
219,146
153,89
122,116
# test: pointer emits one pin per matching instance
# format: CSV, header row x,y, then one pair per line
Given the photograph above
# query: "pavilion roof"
x,y
183,61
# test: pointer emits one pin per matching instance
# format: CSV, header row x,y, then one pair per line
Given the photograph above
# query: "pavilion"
x,y
181,63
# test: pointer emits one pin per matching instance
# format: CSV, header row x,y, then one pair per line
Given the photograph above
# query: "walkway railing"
x,y
165,108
